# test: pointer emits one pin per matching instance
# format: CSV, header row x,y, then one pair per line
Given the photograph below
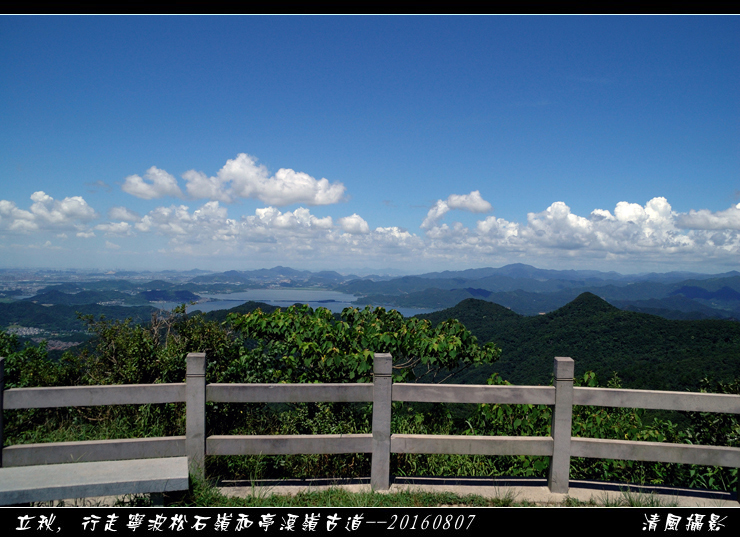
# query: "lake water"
x,y
282,298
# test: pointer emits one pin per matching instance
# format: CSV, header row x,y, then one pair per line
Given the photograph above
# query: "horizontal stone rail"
x,y
472,445
118,394
288,444
656,400
289,393
93,450
463,393
598,448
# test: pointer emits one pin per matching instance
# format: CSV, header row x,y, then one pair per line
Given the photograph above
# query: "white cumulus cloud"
x,y
630,233
115,228
15,219
61,212
472,202
354,224
498,228
296,236
240,177
705,219
123,214
438,210
300,219
46,213
200,186
156,184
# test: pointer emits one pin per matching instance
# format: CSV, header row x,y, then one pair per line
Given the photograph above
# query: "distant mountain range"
x,y
275,275
520,270
523,289
531,291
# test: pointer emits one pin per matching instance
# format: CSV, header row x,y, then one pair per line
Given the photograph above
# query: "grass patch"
x,y
640,499
206,495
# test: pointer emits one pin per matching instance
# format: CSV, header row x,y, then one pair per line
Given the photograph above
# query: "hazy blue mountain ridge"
x,y
709,296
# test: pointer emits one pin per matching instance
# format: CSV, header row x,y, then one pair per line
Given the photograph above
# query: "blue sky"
x,y
350,143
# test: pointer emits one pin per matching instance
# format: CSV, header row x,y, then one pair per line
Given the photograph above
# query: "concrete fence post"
x,y
2,395
562,417
195,413
382,389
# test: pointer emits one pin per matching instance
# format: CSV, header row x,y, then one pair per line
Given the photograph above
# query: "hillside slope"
x,y
647,351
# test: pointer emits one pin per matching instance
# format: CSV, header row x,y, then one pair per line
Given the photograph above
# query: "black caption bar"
x,y
355,521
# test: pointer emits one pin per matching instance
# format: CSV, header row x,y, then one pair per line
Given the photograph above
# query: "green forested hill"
x,y
86,297
647,351
63,317
220,315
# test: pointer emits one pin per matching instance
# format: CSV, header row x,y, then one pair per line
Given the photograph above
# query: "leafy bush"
x,y
306,345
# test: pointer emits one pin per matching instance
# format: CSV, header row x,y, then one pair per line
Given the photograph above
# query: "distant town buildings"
x,y
25,331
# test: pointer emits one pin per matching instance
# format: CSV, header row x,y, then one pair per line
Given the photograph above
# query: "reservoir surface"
x,y
283,298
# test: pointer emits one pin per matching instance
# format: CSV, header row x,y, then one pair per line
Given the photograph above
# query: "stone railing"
x,y
195,392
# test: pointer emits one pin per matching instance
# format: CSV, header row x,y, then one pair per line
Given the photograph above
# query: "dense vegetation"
x,y
66,317
305,345
647,351
86,297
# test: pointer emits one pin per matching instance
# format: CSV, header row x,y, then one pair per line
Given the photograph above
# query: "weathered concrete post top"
x,y
196,364
564,368
382,364
562,416
382,389
195,417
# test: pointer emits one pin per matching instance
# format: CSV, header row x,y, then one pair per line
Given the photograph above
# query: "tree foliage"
x,y
306,345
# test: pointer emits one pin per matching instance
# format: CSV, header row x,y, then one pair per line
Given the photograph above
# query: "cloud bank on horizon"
x,y
630,232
